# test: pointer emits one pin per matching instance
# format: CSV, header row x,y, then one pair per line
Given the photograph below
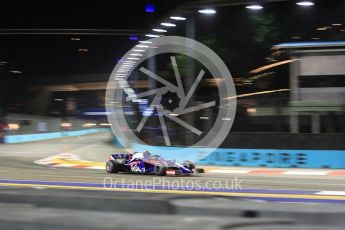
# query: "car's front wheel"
x,y
112,167
189,165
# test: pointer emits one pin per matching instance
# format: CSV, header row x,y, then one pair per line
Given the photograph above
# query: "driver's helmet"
x,y
146,154
129,156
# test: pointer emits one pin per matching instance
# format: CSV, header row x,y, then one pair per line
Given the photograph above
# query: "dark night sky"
x,y
42,55
232,33
129,14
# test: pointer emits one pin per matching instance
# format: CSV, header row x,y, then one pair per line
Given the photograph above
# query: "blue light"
x,y
149,8
119,60
310,44
133,38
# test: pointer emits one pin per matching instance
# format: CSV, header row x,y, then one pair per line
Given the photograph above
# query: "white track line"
x,y
66,165
96,167
228,171
331,193
306,173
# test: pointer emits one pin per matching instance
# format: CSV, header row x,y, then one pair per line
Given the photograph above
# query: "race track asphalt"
x,y
17,163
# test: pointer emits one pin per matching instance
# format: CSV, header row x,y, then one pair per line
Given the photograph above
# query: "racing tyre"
x,y
189,164
112,167
160,169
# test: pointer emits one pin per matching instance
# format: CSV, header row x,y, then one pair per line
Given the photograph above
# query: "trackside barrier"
x,y
277,158
253,157
47,136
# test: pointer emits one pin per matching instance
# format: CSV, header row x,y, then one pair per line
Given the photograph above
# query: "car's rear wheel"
x,y
112,167
160,169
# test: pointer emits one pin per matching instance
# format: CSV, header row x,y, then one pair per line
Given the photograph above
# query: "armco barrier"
x,y
47,136
277,158
253,157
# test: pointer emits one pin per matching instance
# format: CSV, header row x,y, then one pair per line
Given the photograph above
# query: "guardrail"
x,y
277,158
46,136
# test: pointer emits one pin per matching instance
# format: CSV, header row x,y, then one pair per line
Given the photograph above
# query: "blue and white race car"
x,y
145,163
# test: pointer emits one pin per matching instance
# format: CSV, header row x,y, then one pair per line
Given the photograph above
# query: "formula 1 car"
x,y
145,163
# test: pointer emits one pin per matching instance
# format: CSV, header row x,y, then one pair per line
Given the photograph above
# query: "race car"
x,y
145,163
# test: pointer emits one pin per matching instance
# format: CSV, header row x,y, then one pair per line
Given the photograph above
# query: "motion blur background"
x,y
287,62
